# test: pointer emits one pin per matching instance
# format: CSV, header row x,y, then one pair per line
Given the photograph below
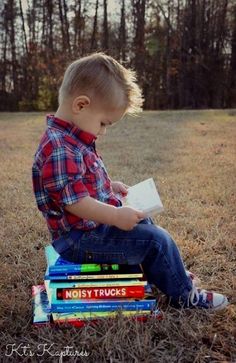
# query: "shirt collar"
x,y
71,129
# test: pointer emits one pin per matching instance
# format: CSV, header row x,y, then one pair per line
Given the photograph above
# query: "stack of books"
x,y
81,293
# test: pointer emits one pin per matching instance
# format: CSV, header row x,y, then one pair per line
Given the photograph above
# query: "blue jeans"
x,y
146,244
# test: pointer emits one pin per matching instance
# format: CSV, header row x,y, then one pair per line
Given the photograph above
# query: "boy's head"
x,y
98,83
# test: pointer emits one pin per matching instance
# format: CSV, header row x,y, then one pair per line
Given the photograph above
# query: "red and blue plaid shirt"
x,y
66,169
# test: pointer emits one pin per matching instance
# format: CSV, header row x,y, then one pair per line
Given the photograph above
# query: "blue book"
x,y
67,306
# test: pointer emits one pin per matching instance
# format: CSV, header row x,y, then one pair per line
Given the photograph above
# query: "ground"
x,y
191,156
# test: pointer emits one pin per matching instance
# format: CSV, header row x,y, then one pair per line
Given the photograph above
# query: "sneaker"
x,y
203,299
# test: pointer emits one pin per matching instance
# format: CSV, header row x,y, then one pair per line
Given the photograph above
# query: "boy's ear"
x,y
79,103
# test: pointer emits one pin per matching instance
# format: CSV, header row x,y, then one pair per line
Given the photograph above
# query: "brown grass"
x,y
191,156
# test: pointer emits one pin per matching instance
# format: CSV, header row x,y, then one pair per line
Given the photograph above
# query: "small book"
x,y
144,196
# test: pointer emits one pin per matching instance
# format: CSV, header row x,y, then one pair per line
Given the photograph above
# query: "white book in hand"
x,y
144,196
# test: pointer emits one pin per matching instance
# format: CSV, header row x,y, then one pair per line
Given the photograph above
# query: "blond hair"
x,y
98,75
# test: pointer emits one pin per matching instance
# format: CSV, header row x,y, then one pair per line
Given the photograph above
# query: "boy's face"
x,y
96,120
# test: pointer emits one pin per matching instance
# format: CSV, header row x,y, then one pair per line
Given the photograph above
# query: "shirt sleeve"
x,y
62,177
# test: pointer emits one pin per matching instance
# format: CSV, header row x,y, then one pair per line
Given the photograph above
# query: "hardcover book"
x,y
83,290
99,293
124,272
100,305
92,284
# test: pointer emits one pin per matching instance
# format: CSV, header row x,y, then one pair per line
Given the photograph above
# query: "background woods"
x,y
184,51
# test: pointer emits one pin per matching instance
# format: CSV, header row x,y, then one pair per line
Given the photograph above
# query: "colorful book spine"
x,y
92,276
60,269
69,317
93,284
101,305
100,293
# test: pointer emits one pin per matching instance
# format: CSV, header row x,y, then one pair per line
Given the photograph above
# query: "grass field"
x,y
191,156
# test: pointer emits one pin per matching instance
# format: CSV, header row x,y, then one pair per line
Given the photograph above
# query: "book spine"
x,y
90,284
60,269
100,293
93,277
91,315
83,268
104,306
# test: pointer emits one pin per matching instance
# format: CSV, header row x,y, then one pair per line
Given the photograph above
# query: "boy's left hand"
x,y
119,187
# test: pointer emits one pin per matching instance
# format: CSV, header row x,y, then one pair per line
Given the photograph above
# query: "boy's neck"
x,y
64,114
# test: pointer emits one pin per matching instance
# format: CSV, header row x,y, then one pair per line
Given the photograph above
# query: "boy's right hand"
x,y
127,218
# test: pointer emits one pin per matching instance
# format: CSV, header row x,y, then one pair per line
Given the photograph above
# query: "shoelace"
x,y
193,295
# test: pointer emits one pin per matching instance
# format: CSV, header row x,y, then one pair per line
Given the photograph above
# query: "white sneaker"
x,y
203,299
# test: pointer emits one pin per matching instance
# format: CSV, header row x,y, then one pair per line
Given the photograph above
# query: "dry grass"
x,y
191,156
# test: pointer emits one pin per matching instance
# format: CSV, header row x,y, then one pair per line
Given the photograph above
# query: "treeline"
x,y
184,51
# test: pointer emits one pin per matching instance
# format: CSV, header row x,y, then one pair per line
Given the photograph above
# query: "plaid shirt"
x,y
66,169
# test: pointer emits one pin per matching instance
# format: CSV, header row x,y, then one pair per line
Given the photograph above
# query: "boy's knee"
x,y
161,239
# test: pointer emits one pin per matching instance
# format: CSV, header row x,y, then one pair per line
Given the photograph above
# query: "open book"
x,y
144,196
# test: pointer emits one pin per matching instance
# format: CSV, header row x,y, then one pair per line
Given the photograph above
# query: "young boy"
x,y
79,201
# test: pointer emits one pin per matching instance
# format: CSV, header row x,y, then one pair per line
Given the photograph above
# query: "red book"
x,y
100,292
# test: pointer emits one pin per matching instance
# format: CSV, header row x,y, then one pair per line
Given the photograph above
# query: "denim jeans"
x,y
146,244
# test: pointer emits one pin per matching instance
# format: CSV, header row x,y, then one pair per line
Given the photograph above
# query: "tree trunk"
x,y
105,38
232,79
139,7
23,27
67,32
122,34
12,14
94,34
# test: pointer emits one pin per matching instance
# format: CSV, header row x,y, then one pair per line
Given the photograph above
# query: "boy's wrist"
x,y
113,216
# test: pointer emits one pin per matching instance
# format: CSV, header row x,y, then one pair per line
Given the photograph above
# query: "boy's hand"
x,y
127,218
119,187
